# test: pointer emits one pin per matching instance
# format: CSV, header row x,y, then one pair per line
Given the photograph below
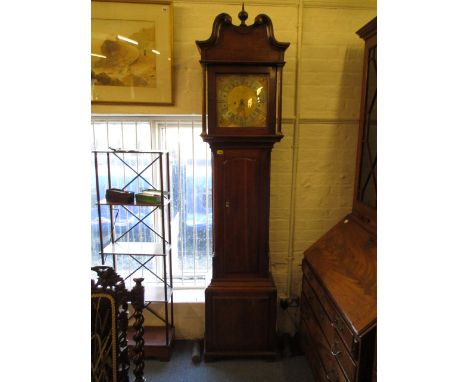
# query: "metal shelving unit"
x,y
153,258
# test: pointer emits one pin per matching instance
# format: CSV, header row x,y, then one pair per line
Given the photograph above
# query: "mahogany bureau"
x,y
338,314
339,286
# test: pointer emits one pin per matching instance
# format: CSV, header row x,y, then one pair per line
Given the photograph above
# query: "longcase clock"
x,y
242,79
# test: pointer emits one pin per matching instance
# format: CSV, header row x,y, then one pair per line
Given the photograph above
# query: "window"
x,y
191,210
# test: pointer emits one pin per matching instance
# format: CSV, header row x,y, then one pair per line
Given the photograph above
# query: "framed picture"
x,y
131,52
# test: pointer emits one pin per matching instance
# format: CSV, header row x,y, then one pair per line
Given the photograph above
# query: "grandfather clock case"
x,y
242,79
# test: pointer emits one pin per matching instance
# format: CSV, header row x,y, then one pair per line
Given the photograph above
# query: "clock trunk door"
x,y
241,211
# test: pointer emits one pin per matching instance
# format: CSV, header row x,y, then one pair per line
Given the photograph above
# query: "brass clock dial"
x,y
242,100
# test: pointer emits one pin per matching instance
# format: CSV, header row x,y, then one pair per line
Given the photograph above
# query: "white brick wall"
x,y
326,131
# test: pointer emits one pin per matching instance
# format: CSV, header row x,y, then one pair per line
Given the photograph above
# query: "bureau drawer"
x,y
311,298
317,342
342,355
334,316
314,361
336,347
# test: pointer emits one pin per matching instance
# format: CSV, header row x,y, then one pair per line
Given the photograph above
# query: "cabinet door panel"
x,y
241,331
240,211
240,214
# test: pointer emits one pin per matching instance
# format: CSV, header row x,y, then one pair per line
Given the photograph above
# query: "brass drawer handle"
x,y
335,352
337,323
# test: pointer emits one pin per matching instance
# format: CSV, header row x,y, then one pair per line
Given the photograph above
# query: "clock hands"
x,y
241,100
241,107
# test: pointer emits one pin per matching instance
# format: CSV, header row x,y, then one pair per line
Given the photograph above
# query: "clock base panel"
x,y
240,319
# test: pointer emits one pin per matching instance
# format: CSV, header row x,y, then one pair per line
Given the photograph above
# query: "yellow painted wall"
x,y
313,166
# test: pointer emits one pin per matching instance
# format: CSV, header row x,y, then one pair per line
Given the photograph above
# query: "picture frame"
x,y
131,52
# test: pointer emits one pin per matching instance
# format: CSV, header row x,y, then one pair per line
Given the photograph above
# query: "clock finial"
x,y
243,15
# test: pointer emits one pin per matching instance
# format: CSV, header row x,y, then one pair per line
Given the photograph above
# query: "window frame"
x,y
159,125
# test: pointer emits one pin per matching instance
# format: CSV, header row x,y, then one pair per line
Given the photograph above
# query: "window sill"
x,y
182,296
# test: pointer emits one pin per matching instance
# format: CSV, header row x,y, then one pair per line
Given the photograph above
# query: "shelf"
x,y
155,342
119,151
105,202
159,340
135,248
155,293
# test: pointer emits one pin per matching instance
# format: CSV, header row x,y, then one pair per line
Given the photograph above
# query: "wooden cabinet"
x,y
339,292
365,185
339,288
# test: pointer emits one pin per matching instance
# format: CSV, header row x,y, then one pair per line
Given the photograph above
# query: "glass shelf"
x,y
104,202
136,248
155,292
120,151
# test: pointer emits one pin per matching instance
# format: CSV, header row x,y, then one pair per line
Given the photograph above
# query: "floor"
x,y
181,369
